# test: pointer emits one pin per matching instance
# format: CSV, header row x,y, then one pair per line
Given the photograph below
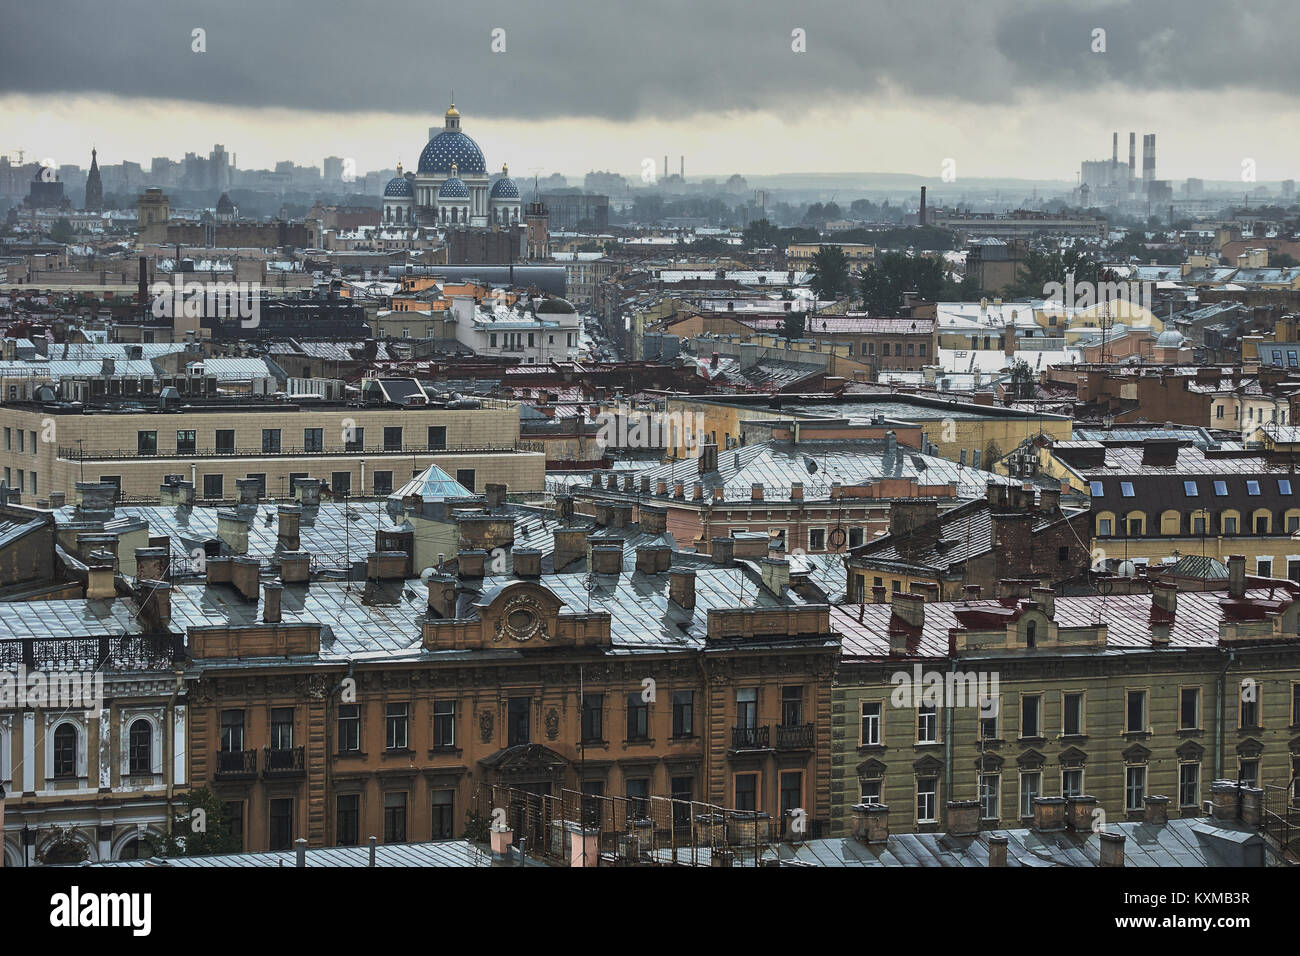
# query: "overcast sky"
x,y
1002,88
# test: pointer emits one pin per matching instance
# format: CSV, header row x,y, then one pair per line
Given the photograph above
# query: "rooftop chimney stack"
x,y
1236,575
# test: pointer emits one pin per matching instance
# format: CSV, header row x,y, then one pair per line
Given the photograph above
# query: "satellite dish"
x,y
1127,569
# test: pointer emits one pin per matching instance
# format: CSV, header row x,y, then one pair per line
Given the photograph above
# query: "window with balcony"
x,y
270,441
232,731
392,438
791,706
313,439
186,441
341,483
383,483
146,443
465,478
214,486
437,437
224,441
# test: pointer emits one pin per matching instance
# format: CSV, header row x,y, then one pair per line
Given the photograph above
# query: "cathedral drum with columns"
x,y
451,186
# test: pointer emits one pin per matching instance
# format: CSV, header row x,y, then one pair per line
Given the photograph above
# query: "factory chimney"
x,y
920,219
665,165
683,169
1132,159
1148,159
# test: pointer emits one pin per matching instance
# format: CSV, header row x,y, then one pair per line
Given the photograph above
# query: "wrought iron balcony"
x,y
794,737
280,761
750,738
236,763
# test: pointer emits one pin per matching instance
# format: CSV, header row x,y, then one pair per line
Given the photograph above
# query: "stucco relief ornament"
x,y
485,726
521,620
552,724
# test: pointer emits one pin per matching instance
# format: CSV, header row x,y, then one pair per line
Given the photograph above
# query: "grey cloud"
x,y
629,59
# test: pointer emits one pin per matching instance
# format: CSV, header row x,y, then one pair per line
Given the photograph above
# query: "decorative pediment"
x,y
524,760
989,763
1250,747
927,766
1072,757
1136,754
1030,760
1190,750
871,768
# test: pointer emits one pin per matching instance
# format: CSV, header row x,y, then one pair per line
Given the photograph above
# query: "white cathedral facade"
x,y
451,186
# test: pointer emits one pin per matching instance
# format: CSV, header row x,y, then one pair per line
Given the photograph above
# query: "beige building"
x,y
47,449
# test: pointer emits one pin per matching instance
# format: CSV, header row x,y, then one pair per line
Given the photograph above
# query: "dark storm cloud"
x,y
623,59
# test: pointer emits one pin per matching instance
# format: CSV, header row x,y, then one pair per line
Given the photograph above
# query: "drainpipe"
x,y
1220,693
947,749
169,743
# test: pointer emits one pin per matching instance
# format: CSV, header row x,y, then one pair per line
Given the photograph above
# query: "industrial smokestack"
x,y
920,219
1114,148
683,169
665,165
1132,156
1148,159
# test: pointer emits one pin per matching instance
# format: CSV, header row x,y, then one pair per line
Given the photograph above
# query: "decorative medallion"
x,y
485,720
552,724
521,620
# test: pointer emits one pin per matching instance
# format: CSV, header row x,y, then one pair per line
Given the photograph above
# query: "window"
x,y
393,438
927,724
395,817
270,441
817,539
684,713
1134,526
1189,785
1295,704
870,723
1126,489
988,720
1189,489
989,786
232,731
1103,527
1072,782
444,723
1189,708
1135,787
465,478
638,717
791,706
1248,775
747,791
517,713
1031,785
443,818
354,439
341,483
1198,525
232,815
146,443
1249,706
1229,524
140,757
65,750
1031,708
437,436
1095,488
224,441
1072,715
1284,486
349,728
9,439
927,799
281,728
347,819
1135,712
397,721
281,818
871,790
747,708
1252,487
638,799
383,482
592,718
186,442
1221,489
313,439
856,537
791,791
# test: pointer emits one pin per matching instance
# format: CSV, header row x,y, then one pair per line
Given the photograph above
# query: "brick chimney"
x,y
1049,814
496,496
756,492
963,817
471,563
1223,800
708,460
1155,810
1078,812
620,515
99,576
155,597
151,564
442,595
723,551
570,545
295,567
527,562
606,559
776,574
1112,848
272,591
653,519
1045,598
906,514
244,576
288,522
879,594
681,587
997,851
1252,806
906,620
233,530
1236,575
217,569
870,823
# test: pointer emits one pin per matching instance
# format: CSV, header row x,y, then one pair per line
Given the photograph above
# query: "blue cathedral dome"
x,y
505,188
397,186
453,188
452,146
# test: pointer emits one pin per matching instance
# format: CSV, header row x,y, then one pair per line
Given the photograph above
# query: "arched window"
x,y
65,750
141,747
1031,634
